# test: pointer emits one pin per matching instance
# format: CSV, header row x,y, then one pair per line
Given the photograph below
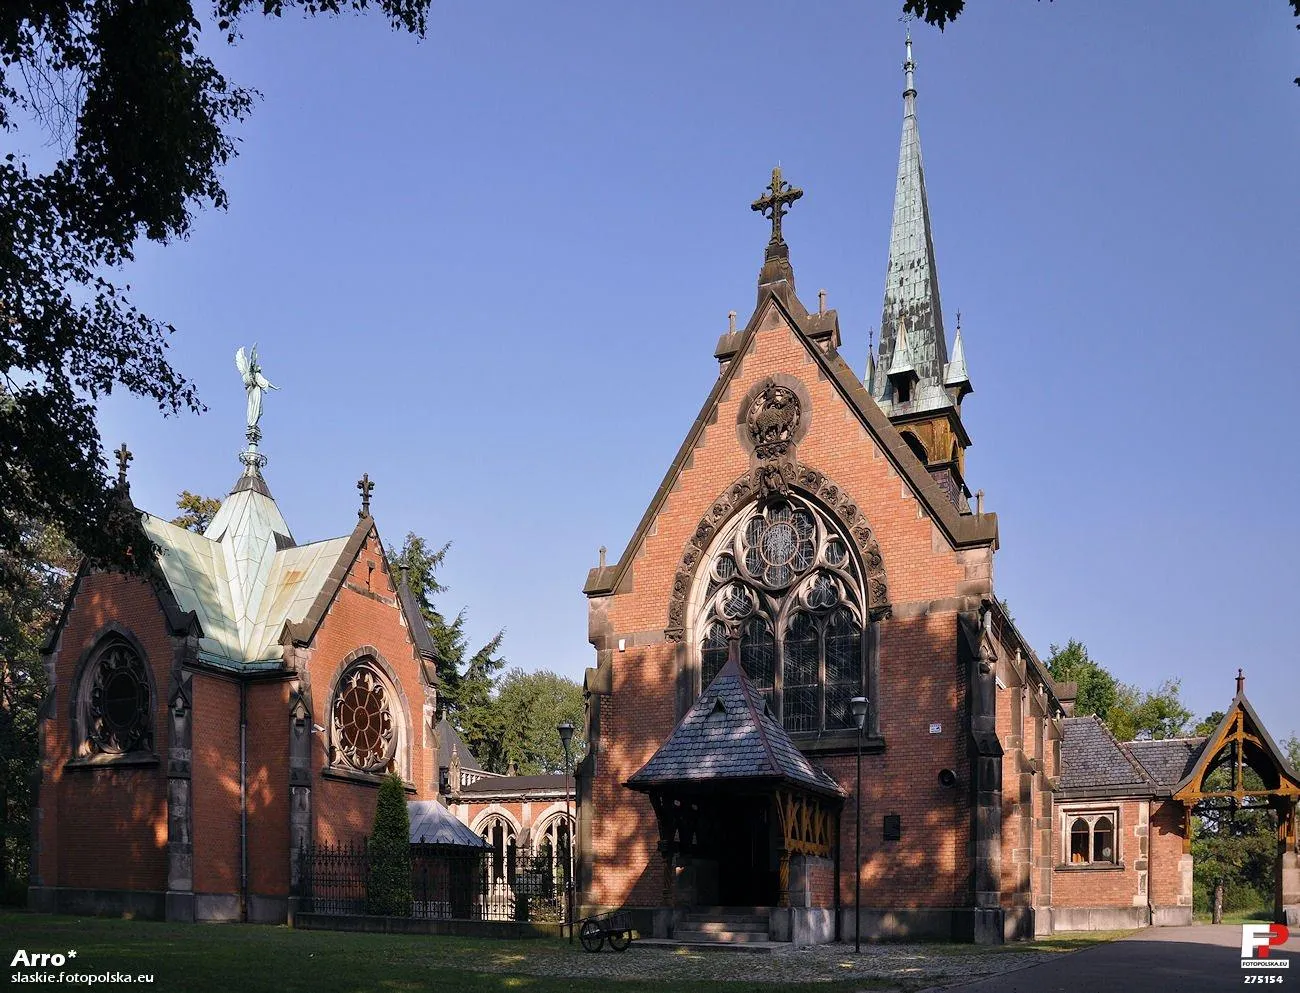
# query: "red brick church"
x,y
811,577
813,542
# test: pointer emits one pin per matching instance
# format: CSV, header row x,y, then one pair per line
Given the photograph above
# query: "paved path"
x,y
1200,959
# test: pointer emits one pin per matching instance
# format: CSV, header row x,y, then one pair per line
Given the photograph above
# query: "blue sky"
x,y
490,268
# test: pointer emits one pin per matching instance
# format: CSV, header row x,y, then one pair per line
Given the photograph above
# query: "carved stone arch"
x,y
406,744
814,484
112,631
492,811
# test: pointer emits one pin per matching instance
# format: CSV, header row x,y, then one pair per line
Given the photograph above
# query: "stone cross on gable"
x,y
124,458
775,203
366,487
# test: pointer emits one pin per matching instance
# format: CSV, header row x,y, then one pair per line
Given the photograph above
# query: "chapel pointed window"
x,y
784,580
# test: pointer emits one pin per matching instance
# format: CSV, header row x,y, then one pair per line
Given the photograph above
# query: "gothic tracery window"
x,y
116,702
783,578
365,728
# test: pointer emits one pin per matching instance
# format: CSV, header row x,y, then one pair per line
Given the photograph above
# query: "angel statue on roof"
x,y
254,382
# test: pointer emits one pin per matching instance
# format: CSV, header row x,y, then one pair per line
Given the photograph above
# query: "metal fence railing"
x,y
447,882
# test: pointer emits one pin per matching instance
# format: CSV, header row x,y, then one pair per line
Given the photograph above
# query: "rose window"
x,y
365,733
783,584
117,715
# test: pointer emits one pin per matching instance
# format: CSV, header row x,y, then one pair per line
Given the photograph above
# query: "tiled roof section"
x,y
434,824
729,734
447,737
518,784
1168,760
1091,758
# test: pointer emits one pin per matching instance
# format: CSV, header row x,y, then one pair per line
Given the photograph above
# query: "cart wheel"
x,y
591,937
619,940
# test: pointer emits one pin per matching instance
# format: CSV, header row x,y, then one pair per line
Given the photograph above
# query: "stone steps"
x,y
724,926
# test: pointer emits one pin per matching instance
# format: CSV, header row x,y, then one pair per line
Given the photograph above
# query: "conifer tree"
x,y
389,893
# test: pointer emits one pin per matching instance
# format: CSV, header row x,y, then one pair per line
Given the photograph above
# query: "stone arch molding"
x,y
813,483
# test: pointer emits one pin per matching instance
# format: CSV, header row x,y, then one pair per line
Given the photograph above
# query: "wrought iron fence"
x,y
447,882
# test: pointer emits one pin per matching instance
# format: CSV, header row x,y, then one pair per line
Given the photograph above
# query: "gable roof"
x,y
449,738
1093,761
1256,737
960,529
729,735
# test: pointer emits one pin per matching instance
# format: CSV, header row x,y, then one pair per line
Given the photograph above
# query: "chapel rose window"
x,y
365,732
116,709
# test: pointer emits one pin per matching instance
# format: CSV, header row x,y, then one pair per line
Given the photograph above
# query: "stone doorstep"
x,y
719,935
750,947
701,923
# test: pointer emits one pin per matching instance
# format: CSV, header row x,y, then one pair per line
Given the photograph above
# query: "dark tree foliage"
x,y
466,678
33,587
140,123
389,892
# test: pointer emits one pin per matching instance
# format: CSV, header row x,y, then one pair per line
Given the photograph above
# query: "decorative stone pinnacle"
x,y
731,322
775,204
366,486
124,458
821,301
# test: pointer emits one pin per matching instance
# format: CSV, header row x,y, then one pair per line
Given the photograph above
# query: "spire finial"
x,y
731,322
124,458
1241,682
255,384
775,204
366,487
959,322
909,67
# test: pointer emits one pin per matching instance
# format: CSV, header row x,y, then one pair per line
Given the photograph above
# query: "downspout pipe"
x,y
243,800
1151,863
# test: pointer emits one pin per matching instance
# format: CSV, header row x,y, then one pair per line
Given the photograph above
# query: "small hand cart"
x,y
616,927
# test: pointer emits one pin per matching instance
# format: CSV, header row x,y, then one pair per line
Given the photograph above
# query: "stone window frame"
x,y
336,766
503,861
1091,814
705,608
84,750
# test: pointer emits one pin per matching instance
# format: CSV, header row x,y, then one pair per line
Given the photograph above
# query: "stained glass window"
x,y
117,706
782,578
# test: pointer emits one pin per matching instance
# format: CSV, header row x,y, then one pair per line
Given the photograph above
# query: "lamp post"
x,y
566,739
858,707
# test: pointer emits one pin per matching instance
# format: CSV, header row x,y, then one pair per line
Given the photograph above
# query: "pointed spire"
x,y
912,282
955,376
901,360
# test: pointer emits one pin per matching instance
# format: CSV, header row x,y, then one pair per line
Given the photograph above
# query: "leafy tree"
x,y
34,583
1292,748
1098,689
196,511
389,892
1157,713
140,124
529,707
466,679
1208,724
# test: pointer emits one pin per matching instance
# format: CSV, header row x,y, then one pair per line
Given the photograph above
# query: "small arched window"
x,y
1079,841
1091,837
115,702
782,578
366,723
499,834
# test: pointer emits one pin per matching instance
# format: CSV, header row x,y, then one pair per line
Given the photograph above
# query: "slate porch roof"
x,y
729,735
434,824
1094,763
492,785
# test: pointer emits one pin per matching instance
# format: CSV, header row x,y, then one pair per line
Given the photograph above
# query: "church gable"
x,y
741,447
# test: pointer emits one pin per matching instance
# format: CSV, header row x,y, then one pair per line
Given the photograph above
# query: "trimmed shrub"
x,y
389,892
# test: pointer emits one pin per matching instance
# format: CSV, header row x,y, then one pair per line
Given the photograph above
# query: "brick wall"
x,y
1103,886
105,827
268,788
365,612
214,786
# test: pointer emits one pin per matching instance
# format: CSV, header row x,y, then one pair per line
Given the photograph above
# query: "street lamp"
x,y
858,707
566,739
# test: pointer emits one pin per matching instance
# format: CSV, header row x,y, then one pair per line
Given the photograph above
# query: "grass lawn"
x,y
201,958
1238,916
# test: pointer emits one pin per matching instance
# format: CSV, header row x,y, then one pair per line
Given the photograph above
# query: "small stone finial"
x,y
775,204
731,322
821,301
1241,682
979,502
124,458
366,486
602,556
